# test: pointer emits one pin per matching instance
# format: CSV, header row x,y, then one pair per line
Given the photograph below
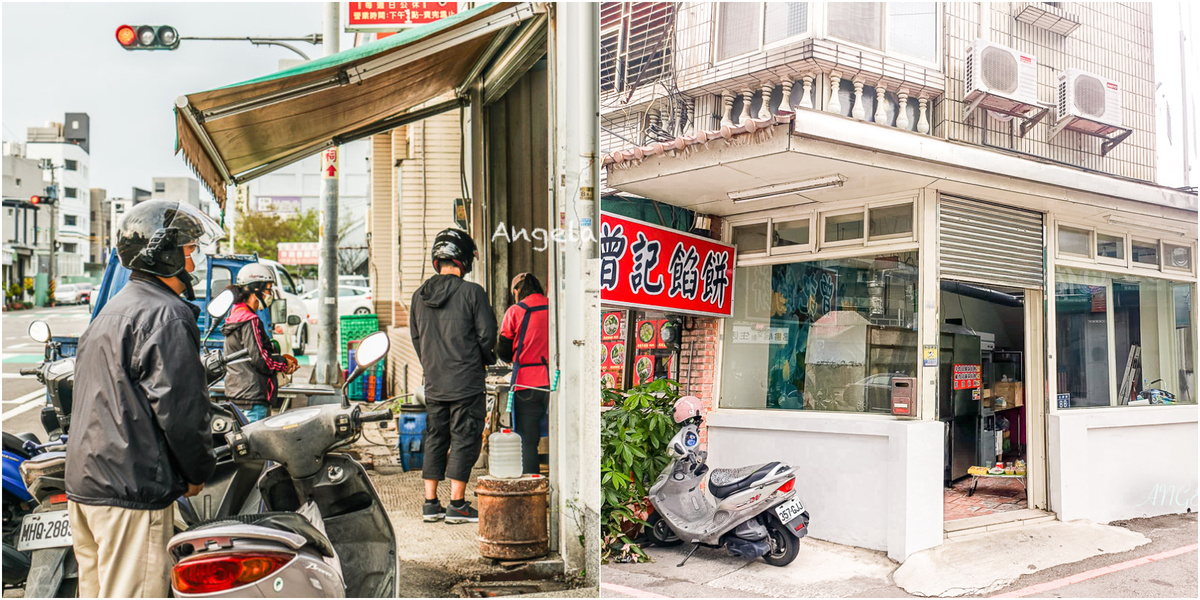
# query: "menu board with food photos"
x,y
643,369
613,335
648,334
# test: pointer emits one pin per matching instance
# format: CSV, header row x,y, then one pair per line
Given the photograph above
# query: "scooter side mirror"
x,y
220,305
40,331
370,351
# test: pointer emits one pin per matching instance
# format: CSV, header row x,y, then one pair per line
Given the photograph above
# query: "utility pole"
x,y
53,268
327,370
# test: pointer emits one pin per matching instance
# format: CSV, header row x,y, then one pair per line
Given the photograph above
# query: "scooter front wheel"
x,y
661,533
785,546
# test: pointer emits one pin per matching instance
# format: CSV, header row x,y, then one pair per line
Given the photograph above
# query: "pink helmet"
x,y
686,408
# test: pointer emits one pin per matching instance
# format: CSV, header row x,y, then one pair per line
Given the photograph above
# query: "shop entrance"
x,y
984,398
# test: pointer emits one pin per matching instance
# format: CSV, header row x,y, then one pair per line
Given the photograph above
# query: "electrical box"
x,y
904,396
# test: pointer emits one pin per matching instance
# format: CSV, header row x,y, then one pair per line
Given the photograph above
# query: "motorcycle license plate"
x,y
789,510
44,530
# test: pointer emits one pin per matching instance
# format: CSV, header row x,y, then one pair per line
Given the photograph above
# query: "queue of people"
x,y
142,436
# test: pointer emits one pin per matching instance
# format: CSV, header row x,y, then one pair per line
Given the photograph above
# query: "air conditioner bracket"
x,y
1110,140
1021,111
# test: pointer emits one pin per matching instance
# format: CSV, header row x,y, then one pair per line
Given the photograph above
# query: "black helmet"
x,y
152,235
455,245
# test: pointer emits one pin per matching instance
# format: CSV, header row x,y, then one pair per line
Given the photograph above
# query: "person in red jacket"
x,y
524,342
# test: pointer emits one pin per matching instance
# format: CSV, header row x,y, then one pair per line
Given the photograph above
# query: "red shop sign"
x,y
647,266
373,16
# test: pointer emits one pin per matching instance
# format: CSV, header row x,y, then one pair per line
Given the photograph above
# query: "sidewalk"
x,y
976,565
435,557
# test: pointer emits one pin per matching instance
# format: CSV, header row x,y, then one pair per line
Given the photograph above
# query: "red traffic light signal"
x,y
35,200
147,37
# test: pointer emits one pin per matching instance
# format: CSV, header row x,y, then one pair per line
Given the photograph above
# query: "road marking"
x,y
27,397
628,591
38,399
1084,576
23,359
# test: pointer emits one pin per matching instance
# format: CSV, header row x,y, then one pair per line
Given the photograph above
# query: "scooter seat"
x,y
287,521
726,482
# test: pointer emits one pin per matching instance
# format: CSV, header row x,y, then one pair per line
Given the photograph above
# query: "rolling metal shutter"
x,y
988,243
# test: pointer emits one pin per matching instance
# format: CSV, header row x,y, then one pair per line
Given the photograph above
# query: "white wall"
x,y
1123,462
868,481
80,206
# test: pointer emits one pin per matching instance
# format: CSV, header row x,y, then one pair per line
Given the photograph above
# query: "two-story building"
x,y
951,252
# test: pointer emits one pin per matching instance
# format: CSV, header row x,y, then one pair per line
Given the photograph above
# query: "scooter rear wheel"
x,y
785,546
661,533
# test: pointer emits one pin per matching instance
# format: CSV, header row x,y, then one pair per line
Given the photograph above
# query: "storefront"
x,y
901,317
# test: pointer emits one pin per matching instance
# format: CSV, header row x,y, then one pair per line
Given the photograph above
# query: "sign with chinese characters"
x,y
967,377
759,333
329,163
391,16
299,253
653,267
278,205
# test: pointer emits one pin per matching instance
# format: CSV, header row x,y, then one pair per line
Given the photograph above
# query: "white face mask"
x,y
199,259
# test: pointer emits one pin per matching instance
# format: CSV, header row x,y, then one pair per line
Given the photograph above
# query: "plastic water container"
x,y
504,454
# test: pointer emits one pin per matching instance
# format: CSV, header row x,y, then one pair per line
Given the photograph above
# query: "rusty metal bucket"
x,y
513,521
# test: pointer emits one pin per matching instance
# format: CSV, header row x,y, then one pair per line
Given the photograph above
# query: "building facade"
x,y
951,249
65,145
26,225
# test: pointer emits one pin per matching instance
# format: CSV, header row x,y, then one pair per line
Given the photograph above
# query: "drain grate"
x,y
494,590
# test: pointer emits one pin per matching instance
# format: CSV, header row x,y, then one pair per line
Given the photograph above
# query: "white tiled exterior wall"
x,y
1114,40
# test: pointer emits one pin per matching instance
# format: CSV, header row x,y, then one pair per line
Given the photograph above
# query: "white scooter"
x,y
752,511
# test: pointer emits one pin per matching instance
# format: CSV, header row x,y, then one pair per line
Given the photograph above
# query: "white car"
x,y
70,293
353,281
352,300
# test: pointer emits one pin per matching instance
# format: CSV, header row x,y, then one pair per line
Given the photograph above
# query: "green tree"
x,y
262,233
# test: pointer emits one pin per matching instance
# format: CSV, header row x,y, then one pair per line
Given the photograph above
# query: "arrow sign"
x,y
329,163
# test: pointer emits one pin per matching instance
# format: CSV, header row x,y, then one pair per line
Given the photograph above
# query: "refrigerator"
x,y
958,409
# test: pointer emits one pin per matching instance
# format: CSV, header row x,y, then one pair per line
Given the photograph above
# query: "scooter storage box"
x,y
411,426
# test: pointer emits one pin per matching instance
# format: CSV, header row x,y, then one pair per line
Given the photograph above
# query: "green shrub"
x,y
633,443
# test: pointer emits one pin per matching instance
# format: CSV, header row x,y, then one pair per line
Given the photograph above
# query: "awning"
x,y
233,134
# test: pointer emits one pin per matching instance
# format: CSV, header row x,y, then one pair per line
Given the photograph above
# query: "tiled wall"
x,y
1114,41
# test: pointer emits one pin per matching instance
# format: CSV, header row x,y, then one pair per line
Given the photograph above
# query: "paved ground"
x,y
1153,557
992,495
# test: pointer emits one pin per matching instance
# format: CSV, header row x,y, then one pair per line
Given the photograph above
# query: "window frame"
x,y
1162,244
1125,247
939,49
70,165
1149,242
762,46
891,236
1091,243
74,218
809,216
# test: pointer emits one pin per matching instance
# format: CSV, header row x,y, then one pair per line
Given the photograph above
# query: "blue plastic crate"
x,y
411,444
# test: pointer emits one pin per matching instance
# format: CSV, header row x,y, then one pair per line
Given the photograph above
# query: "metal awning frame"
x,y
505,22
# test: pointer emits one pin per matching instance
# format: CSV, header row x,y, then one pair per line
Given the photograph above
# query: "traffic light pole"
x,y
314,39
327,369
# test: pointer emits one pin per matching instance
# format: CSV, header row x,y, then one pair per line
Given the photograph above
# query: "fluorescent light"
x,y
1155,227
786,189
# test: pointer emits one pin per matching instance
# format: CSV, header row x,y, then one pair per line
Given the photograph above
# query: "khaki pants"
x,y
122,552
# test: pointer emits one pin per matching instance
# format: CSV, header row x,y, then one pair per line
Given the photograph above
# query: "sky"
x,y
60,58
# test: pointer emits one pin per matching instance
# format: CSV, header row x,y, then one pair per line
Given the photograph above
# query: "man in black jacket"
x,y
141,420
454,332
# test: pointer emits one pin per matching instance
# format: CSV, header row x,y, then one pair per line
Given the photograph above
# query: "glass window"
x,y
221,278
70,248
1177,257
808,336
748,26
789,233
160,186
70,192
750,238
70,220
910,29
71,165
739,30
891,221
285,281
1142,326
1145,253
1074,241
841,228
784,20
858,22
1110,246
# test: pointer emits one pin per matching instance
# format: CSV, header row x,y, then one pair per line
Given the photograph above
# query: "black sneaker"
x,y
461,513
432,511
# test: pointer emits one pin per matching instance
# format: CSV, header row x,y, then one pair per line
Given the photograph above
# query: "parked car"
x,y
352,300
353,281
69,293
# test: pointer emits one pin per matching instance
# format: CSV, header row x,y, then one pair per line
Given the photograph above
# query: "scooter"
x,y
324,533
752,512
45,533
18,502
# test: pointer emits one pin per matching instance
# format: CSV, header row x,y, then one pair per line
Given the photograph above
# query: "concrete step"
x,y
995,522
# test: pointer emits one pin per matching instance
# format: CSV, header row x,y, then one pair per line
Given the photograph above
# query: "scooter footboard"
x,y
359,529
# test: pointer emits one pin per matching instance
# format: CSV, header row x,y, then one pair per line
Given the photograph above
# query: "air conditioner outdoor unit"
x,y
1001,79
1089,103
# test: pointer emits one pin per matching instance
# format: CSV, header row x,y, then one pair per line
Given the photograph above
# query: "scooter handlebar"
x,y
33,371
377,415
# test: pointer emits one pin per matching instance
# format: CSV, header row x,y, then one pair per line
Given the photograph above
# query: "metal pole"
x,y
1183,93
53,270
327,370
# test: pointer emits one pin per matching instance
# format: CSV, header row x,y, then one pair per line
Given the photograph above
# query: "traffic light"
x,y
147,37
47,198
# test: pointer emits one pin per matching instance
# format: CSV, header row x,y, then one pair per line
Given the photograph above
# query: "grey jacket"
x,y
454,332
250,380
141,417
